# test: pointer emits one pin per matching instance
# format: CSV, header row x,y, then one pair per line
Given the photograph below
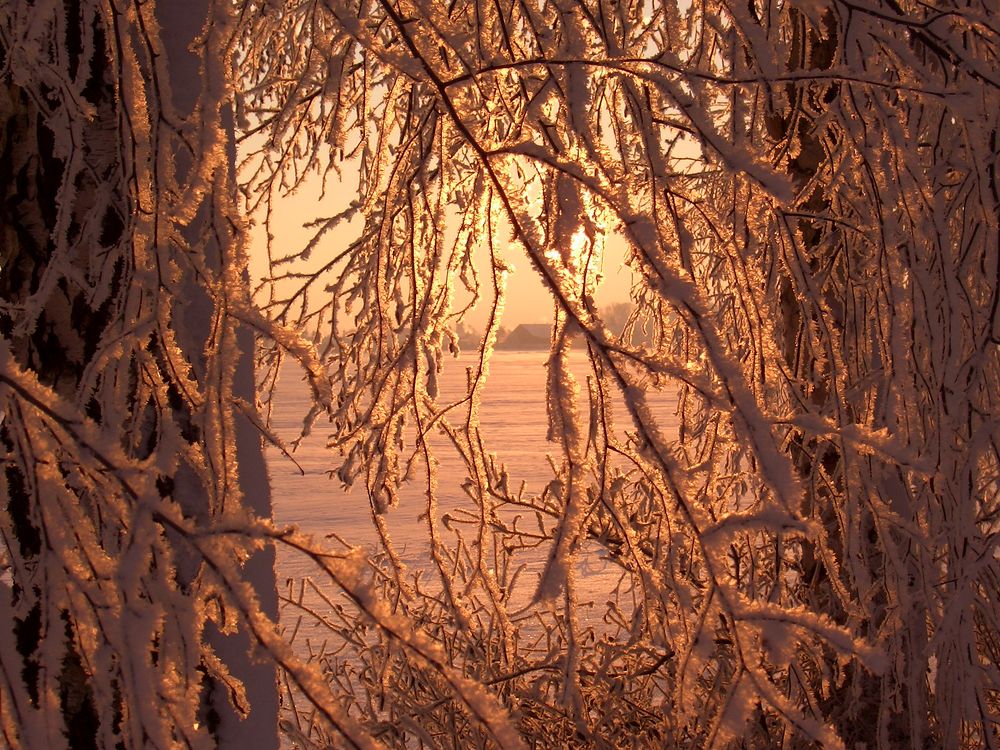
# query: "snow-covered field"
x,y
513,418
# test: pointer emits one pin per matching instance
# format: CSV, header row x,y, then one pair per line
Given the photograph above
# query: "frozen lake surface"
x,y
514,422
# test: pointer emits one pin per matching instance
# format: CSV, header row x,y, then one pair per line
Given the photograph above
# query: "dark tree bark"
x,y
70,283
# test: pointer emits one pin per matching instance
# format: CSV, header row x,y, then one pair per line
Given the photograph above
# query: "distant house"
x,y
469,339
528,337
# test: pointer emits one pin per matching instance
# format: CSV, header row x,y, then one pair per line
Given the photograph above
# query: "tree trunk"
x,y
180,26
66,212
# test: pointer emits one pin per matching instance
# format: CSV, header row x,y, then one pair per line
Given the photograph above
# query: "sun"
x,y
578,246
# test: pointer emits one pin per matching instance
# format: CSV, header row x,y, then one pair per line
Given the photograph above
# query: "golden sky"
x,y
527,299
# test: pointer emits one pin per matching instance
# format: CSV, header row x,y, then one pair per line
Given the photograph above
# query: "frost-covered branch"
x,y
808,197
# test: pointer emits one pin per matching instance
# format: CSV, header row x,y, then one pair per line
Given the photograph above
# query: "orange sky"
x,y
527,299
